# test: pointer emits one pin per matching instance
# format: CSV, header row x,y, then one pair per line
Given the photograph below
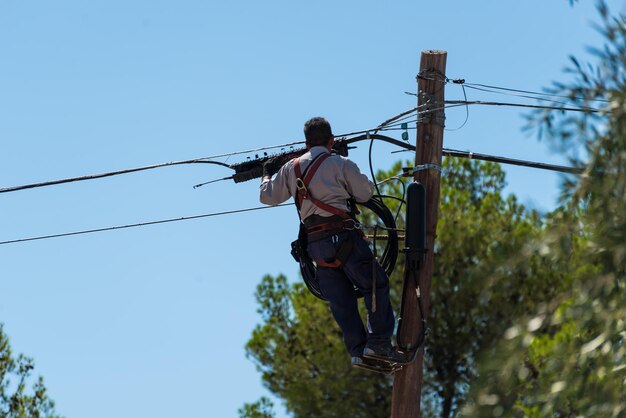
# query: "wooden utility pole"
x,y
407,384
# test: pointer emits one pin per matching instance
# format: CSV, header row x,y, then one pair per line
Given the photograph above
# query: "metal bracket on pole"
x,y
410,171
427,166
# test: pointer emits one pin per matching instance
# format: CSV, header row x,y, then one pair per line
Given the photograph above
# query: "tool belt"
x,y
320,227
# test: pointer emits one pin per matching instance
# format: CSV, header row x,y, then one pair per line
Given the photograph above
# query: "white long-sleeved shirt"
x,y
336,180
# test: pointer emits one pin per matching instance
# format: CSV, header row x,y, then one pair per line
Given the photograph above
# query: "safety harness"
x,y
341,221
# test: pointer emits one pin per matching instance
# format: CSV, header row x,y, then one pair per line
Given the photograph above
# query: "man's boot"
x,y
384,353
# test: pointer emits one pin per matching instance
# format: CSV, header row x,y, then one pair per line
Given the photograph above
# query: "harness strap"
x,y
346,224
302,192
302,186
342,254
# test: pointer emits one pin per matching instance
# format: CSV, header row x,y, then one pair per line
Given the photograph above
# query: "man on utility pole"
x,y
407,385
322,186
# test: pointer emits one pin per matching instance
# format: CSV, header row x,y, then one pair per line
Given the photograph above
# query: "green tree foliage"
x,y
16,399
486,273
298,347
301,355
263,408
568,359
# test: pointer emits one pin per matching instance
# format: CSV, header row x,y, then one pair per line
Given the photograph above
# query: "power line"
x,y
447,152
525,96
107,174
487,86
570,109
202,160
390,124
408,147
461,81
511,161
162,221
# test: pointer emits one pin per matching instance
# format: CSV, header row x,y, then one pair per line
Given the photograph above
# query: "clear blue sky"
x,y
153,321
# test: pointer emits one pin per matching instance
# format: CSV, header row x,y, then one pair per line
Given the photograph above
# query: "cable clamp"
x,y
410,171
427,166
433,117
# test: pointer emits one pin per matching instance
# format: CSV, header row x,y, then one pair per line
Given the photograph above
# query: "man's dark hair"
x,y
317,132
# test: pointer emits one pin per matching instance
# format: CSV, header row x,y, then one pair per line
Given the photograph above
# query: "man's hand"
x,y
271,166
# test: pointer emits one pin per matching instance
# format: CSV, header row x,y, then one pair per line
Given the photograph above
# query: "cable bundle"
x,y
387,260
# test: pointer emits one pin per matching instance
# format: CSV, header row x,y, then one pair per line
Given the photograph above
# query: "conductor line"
x,y
493,89
107,174
162,221
526,96
568,109
487,86
202,160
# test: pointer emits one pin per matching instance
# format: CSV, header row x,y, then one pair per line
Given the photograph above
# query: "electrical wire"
x,y
511,161
401,200
162,221
372,167
383,126
202,160
398,125
229,154
515,95
466,112
406,114
461,81
446,152
487,86
477,156
570,109
390,124
108,174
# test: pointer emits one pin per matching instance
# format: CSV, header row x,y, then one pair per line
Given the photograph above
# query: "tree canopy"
x,y
298,346
17,399
528,315
568,357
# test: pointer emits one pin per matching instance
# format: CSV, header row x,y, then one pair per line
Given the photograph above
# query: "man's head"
x,y
317,132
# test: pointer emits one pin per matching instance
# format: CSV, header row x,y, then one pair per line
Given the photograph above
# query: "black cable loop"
x,y
412,349
388,257
466,112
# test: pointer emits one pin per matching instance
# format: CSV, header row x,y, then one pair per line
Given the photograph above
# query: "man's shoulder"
x,y
340,159
337,157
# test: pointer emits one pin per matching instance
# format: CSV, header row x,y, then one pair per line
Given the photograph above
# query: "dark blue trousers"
x,y
338,286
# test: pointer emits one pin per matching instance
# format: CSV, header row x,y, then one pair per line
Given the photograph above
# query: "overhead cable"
x,y
448,152
525,96
202,160
510,161
107,174
535,93
162,221
461,81
570,109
